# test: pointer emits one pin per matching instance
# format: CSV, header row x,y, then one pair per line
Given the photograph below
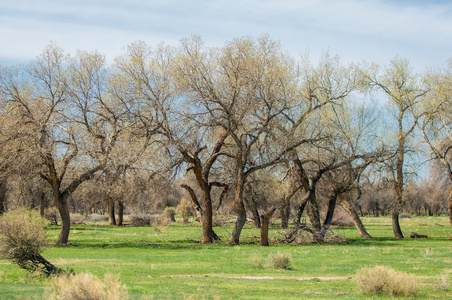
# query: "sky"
x,y
355,30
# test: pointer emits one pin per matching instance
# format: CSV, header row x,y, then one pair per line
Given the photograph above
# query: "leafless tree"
x,y
404,91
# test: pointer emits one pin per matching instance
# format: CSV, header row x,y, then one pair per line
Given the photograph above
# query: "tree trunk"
x,y
256,218
120,213
265,223
300,211
396,206
63,208
204,213
398,187
356,220
328,218
208,235
314,218
42,202
239,208
2,196
450,207
111,211
285,212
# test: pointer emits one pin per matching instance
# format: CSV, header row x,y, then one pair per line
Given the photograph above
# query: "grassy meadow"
x,y
169,263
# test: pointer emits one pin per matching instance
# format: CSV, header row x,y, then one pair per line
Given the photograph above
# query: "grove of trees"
x,y
244,128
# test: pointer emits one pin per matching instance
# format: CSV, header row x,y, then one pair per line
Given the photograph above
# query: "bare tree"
x,y
68,124
436,126
241,89
404,91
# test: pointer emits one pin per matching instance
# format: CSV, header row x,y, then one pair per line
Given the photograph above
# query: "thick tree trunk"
x,y
396,210
328,218
239,209
300,211
208,235
63,208
356,220
111,211
314,218
204,213
42,202
120,213
256,217
398,186
396,226
2,196
265,223
285,212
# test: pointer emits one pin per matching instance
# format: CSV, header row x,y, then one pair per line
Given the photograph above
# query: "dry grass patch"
x,y
384,280
282,261
86,287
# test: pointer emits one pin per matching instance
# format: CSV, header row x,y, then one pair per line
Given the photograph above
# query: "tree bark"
x,y
42,202
328,218
111,211
300,211
314,218
356,220
239,208
265,223
2,196
120,213
63,208
285,212
256,217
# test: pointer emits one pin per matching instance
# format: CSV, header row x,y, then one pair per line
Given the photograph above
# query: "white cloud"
x,y
356,30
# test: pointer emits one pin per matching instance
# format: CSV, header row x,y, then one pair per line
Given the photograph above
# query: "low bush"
x,y
169,213
185,209
381,280
404,216
282,261
22,238
140,220
257,261
77,219
95,218
52,215
86,287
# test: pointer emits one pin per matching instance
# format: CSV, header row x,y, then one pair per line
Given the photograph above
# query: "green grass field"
x,y
171,264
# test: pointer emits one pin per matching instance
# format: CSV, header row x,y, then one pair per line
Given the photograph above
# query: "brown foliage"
x,y
86,287
383,280
22,238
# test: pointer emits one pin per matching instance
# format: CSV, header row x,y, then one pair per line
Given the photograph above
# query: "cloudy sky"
x,y
356,30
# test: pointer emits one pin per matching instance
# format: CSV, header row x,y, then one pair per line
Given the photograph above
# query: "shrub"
x,y
95,218
22,238
169,213
77,219
86,287
383,280
282,261
404,216
140,220
256,261
185,209
51,214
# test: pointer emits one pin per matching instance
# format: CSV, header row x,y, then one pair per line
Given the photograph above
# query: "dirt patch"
x,y
301,278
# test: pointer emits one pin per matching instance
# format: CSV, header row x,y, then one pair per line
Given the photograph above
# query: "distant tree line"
x,y
244,129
